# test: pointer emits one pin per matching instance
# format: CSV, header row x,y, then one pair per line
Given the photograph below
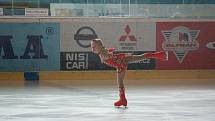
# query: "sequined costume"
x,y
117,61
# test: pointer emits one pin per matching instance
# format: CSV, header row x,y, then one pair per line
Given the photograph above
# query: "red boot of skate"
x,y
122,101
162,55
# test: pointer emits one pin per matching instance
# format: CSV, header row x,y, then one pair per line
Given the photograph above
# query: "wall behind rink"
x,y
190,44
62,44
32,44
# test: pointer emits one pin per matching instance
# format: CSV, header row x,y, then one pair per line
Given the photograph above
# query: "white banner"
x,y
36,12
122,35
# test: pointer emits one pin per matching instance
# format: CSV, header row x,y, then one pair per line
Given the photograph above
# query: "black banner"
x,y
90,61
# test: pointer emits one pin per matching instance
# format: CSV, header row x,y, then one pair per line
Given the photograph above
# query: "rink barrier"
x,y
108,77
145,77
11,76
130,75
11,79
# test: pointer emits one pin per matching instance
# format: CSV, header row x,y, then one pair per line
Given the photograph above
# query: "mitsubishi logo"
x,y
127,31
130,45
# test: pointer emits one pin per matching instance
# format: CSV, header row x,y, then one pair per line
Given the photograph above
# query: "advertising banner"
x,y
90,61
29,46
191,45
132,37
123,36
36,12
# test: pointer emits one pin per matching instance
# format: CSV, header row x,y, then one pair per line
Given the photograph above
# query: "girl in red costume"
x,y
120,62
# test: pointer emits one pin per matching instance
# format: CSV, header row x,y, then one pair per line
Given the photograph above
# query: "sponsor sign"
x,y
131,42
74,61
188,43
91,61
83,39
36,12
180,40
29,47
123,36
145,64
130,37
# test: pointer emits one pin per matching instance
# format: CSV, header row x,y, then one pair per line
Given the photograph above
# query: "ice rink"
x,y
89,103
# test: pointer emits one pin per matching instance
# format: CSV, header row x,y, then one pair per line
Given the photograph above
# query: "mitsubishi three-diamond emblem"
x,y
131,43
180,40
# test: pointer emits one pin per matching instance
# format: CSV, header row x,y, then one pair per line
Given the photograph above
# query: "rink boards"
x,y
58,48
87,78
63,44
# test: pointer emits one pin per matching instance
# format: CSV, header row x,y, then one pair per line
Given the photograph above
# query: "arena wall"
x,y
58,48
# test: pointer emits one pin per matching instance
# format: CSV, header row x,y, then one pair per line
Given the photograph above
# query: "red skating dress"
x,y
117,60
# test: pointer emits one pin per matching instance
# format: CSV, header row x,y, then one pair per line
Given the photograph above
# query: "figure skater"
x,y
120,62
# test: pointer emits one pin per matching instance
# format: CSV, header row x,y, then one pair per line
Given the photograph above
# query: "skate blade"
x,y
121,107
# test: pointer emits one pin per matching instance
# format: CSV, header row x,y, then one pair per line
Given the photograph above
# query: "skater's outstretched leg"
x,y
120,78
161,55
157,55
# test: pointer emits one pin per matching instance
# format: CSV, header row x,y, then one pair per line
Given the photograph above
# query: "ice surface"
x,y
68,103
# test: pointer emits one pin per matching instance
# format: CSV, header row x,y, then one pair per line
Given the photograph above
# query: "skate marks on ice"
x,y
96,104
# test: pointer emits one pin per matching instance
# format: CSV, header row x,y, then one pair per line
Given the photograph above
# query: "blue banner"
x,y
29,46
